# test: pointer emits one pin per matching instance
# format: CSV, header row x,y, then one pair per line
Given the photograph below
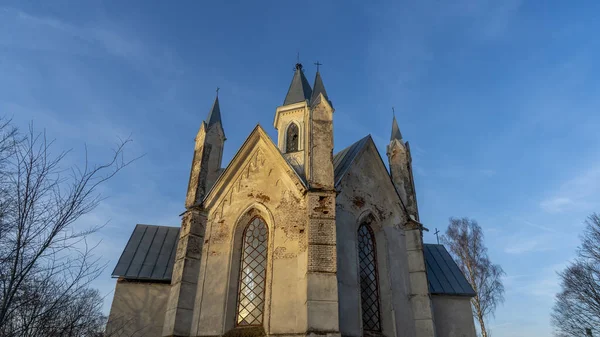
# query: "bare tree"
x,y
464,238
576,311
45,264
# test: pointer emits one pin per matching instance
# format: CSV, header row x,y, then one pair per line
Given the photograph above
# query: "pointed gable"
x,y
258,139
343,159
299,90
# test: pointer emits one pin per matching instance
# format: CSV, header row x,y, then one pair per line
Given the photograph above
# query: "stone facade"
x,y
312,205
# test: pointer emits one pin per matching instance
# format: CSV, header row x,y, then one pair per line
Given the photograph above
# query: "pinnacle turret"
x,y
396,134
214,116
319,88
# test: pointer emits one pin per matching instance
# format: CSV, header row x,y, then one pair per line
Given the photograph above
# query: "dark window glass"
x,y
251,297
369,283
291,143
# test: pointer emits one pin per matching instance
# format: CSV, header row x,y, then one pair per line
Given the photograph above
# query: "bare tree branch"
x,y
577,306
45,263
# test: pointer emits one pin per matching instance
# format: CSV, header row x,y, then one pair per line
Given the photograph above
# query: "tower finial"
x,y
218,91
396,134
298,64
318,64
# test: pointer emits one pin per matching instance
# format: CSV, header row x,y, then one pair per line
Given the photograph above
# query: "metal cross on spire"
x,y
298,64
218,91
436,235
318,64
393,112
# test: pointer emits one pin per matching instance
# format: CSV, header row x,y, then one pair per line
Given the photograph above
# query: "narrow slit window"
x,y
369,280
253,270
291,143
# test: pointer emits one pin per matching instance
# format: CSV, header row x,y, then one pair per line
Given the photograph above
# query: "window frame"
x,y
371,234
241,271
287,130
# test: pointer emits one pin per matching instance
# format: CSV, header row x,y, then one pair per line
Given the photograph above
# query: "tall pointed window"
x,y
251,296
291,139
369,282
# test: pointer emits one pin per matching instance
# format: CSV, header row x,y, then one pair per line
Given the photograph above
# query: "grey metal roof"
x,y
214,115
396,134
343,159
319,88
149,254
299,88
445,278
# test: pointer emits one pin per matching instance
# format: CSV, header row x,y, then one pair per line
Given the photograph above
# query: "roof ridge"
x,y
344,158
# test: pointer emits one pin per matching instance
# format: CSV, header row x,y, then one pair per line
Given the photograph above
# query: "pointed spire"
x,y
395,130
214,115
319,87
299,88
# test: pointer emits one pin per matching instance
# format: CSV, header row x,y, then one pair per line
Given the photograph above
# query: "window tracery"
x,y
369,280
253,270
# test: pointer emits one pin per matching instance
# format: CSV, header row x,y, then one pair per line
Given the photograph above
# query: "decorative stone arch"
x,y
299,138
251,212
370,218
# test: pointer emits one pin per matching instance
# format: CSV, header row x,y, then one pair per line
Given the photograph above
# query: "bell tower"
x,y
290,120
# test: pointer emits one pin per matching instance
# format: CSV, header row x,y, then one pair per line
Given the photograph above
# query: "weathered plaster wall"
x,y
401,171
138,309
367,194
453,316
262,187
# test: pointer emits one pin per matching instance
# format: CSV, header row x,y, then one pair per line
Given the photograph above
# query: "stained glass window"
x,y
291,143
369,283
251,297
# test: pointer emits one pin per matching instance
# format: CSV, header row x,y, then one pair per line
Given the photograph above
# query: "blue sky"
x,y
499,100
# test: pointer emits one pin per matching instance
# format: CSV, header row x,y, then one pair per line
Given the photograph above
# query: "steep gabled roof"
x,y
444,276
149,254
299,90
343,159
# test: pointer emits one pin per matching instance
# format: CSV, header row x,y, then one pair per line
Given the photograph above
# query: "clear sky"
x,y
499,100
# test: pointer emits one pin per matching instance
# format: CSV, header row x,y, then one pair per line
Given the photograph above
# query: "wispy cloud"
x,y
581,193
520,244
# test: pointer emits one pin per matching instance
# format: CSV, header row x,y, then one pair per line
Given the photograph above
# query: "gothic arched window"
x,y
291,139
369,282
253,270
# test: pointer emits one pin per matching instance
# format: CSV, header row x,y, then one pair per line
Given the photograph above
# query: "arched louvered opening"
x,y
369,279
292,138
253,272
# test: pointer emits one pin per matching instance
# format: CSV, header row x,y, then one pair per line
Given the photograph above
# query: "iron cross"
x,y
218,91
318,64
436,235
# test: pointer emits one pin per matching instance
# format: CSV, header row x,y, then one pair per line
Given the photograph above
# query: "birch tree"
x,y
464,238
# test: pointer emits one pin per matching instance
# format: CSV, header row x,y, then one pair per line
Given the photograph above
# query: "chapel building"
x,y
291,240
